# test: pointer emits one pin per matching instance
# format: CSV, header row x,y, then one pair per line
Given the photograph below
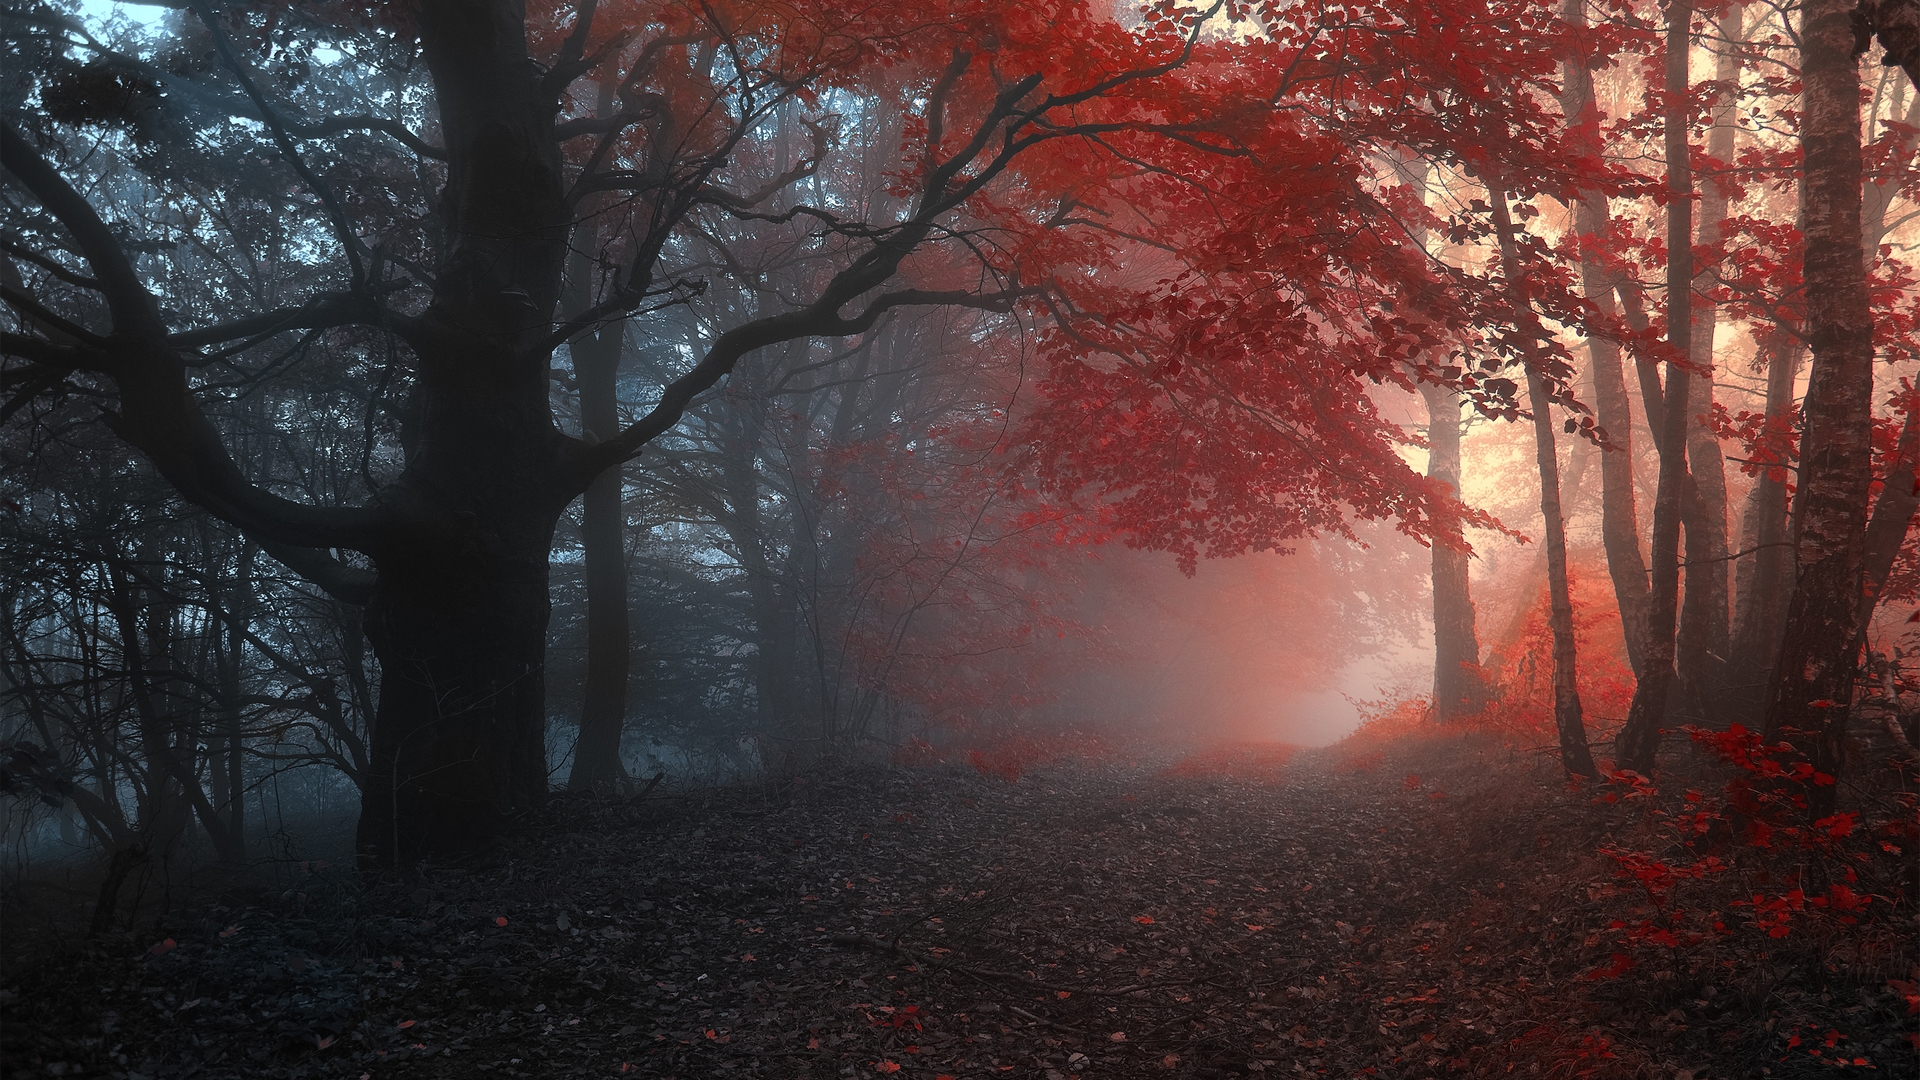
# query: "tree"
x,y
1704,635
457,545
1459,686
1639,739
1575,755
1811,695
1619,518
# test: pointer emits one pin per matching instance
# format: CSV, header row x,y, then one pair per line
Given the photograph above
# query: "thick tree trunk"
x,y
458,616
1619,517
1459,686
1575,755
603,706
1639,740
1812,691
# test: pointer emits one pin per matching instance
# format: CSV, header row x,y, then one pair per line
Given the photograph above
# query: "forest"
x,y
959,539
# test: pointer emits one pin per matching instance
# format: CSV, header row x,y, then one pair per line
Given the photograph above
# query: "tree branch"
x,y
158,413
284,140
22,251
347,584
334,125
319,313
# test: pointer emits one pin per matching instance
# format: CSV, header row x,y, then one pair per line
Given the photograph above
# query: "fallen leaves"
x,y
1325,921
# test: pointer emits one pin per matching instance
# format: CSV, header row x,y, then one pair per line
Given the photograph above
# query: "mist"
x,y
960,540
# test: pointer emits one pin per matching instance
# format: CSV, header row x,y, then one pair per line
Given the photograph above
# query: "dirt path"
x,y
1235,915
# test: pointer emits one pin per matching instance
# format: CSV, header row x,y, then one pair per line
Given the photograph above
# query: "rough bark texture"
x,y
1809,701
1459,687
1575,755
1639,741
1619,517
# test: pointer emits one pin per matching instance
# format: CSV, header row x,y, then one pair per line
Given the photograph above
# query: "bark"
x,y
230,645
1639,740
1897,25
1811,696
596,356
1459,686
458,617
1619,517
1762,606
1575,755
603,706
1705,630
1892,516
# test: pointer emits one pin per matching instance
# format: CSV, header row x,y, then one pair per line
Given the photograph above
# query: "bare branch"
x,y
322,312
23,302
334,125
132,306
347,584
284,140
22,251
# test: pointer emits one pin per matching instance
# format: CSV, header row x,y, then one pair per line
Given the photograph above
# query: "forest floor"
x,y
1122,914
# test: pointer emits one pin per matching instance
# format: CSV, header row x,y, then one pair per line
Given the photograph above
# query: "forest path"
x,y
1238,913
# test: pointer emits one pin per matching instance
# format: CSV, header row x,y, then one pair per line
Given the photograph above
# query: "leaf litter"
x,y
1237,913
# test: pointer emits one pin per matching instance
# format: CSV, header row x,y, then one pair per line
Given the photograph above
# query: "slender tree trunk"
x,y
1705,628
1892,516
1639,740
231,646
1762,598
1812,690
603,707
1459,687
1575,755
1619,517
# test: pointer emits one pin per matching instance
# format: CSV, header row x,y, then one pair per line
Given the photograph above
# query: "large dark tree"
x,y
456,547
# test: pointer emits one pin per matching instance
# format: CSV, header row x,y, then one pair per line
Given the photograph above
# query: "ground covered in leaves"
x,y
1409,910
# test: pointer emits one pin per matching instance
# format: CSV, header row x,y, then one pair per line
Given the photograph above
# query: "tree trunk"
x,y
596,358
1762,597
230,645
1812,691
1575,755
1639,740
603,706
1459,686
1619,518
1892,516
458,616
1704,619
